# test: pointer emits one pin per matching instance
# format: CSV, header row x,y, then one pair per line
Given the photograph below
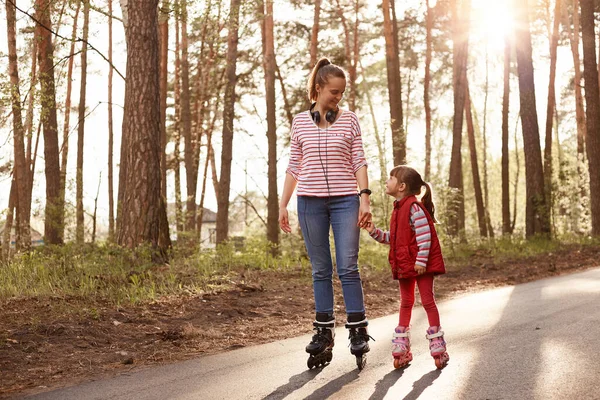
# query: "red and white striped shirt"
x,y
324,160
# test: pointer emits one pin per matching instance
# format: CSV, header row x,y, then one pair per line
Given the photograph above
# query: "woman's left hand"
x,y
364,212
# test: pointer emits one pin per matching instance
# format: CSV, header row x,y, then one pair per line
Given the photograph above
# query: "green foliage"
x,y
116,275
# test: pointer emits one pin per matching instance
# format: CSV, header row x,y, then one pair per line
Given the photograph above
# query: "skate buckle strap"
x,y
401,334
359,324
434,335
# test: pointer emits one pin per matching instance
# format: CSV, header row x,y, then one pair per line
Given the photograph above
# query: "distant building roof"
x,y
207,216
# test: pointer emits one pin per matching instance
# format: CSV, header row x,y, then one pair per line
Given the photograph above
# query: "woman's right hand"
x,y
284,222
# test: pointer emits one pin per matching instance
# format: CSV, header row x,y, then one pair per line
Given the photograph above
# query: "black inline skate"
x,y
321,345
359,338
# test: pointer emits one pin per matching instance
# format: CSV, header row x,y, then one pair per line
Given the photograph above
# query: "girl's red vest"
x,y
403,242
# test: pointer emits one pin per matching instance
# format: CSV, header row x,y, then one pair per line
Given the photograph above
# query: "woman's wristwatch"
x,y
367,191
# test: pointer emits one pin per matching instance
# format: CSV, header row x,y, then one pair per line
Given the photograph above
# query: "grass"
x,y
122,276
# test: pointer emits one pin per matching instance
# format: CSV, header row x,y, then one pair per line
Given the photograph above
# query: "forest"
x,y
510,86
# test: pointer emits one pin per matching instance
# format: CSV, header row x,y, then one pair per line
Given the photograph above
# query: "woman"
x,y
327,164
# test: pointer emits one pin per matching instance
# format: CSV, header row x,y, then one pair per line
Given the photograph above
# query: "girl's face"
x,y
330,94
394,188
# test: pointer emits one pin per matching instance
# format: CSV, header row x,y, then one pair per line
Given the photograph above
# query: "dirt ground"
x,y
54,342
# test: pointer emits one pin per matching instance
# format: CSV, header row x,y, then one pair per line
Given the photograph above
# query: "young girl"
x,y
415,257
327,163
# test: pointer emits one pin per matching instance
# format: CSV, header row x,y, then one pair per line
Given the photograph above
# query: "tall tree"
x,y
191,172
314,43
460,39
579,111
20,169
537,219
54,211
394,83
228,116
506,221
179,216
551,104
475,165
592,109
267,27
163,26
79,230
67,120
111,196
426,83
142,210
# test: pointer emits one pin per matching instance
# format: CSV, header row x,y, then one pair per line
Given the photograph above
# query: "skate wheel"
x,y
397,363
310,363
361,361
441,361
329,356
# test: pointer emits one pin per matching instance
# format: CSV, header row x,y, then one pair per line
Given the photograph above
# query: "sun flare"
x,y
492,21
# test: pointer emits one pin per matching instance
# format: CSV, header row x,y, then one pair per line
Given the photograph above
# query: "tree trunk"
x,y
426,83
314,43
579,113
592,109
536,212
20,171
177,127
269,68
79,231
67,120
163,26
96,210
460,39
111,195
506,221
380,148
186,125
54,212
394,85
550,107
10,212
228,116
142,212
475,165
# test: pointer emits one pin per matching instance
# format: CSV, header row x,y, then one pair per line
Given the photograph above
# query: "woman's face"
x,y
330,94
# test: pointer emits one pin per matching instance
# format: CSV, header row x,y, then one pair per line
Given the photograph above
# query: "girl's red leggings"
x,y
407,299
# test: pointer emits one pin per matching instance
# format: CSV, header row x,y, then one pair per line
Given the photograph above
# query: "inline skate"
x,y
401,347
359,338
321,345
437,346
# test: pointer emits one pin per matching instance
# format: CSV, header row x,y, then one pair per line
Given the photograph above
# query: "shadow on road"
x,y
384,384
334,386
422,384
512,374
295,383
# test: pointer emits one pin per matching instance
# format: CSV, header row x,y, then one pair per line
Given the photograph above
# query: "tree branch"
x,y
65,38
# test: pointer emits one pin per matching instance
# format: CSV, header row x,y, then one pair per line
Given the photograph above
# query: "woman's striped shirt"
x,y
324,161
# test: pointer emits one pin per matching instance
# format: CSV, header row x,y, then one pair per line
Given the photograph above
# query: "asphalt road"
x,y
533,341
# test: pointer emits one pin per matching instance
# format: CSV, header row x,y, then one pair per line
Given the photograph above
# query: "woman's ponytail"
x,y
318,76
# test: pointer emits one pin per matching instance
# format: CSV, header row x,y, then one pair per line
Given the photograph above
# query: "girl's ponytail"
x,y
427,201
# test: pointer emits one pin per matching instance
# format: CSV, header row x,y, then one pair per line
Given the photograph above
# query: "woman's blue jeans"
x,y
317,215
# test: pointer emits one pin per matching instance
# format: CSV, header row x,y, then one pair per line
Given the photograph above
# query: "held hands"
x,y
420,270
364,213
369,226
284,222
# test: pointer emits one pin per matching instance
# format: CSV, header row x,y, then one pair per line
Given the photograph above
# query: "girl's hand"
x,y
369,226
284,222
420,270
364,212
